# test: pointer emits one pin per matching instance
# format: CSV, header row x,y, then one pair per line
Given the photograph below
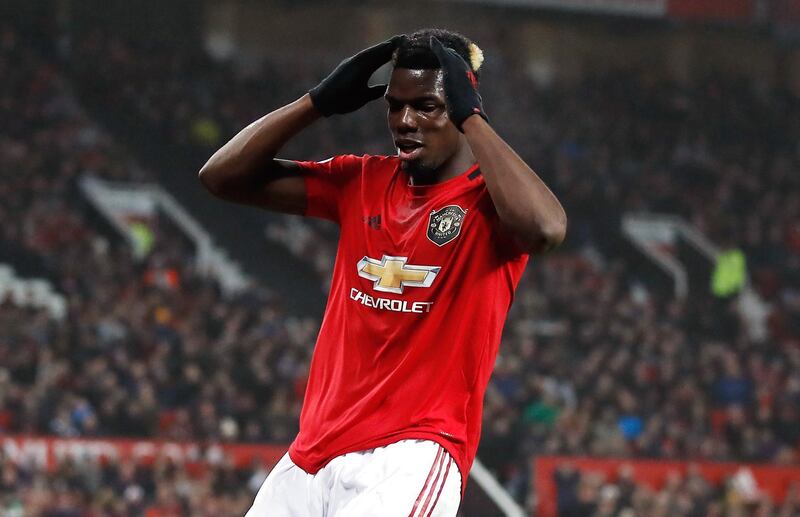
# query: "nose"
x,y
407,120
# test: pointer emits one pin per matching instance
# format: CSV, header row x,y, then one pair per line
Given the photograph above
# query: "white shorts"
x,y
409,478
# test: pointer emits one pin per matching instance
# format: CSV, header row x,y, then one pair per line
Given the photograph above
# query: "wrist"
x,y
307,104
317,98
303,110
474,121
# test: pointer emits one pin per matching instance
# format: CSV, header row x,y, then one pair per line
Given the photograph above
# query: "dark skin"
x,y
417,111
246,171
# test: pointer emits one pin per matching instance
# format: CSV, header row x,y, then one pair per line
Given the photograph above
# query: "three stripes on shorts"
x,y
432,489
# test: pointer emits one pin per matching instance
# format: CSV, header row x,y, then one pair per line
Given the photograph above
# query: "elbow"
x,y
542,238
554,234
557,231
210,180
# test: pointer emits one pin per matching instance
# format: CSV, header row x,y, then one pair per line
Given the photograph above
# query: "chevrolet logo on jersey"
x,y
391,274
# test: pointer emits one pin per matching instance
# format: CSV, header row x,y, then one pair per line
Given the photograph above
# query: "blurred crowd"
x,y
595,360
605,369
689,495
115,488
149,347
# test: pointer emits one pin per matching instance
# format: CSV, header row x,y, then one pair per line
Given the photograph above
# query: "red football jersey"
x,y
422,284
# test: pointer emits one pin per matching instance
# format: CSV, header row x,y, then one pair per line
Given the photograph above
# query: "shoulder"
x,y
381,162
366,166
354,163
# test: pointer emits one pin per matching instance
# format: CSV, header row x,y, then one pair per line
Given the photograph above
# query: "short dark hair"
x,y
414,52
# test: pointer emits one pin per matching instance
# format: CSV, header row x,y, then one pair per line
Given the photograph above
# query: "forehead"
x,y
406,83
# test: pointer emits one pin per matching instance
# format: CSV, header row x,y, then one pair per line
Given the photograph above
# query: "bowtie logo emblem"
x,y
393,274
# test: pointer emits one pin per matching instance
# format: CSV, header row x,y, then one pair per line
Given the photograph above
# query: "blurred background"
x,y
155,342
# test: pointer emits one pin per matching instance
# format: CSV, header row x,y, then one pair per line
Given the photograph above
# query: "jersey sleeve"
x,y
326,183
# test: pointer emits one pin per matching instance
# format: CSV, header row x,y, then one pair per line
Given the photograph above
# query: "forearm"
x,y
523,202
242,162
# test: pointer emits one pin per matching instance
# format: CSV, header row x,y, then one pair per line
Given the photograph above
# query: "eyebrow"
x,y
421,98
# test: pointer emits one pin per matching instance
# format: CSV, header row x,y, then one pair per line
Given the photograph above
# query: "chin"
x,y
418,170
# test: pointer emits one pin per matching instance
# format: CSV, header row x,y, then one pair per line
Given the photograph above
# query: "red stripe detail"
x,y
425,486
435,481
447,471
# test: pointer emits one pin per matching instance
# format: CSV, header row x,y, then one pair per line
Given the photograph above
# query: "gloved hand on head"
x,y
346,89
460,85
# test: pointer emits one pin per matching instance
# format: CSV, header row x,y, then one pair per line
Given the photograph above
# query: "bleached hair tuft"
x,y
475,57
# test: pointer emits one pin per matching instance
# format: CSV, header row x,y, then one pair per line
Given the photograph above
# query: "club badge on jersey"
x,y
444,224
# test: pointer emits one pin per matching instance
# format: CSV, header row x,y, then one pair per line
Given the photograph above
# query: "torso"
x,y
423,280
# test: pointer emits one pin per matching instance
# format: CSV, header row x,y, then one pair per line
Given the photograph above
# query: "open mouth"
x,y
408,149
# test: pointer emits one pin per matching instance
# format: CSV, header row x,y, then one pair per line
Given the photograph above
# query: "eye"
x,y
394,105
427,106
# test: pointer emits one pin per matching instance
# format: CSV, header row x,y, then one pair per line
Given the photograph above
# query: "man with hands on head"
x,y
433,242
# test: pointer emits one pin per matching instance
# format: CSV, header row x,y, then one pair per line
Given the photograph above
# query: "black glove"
x,y
346,89
460,85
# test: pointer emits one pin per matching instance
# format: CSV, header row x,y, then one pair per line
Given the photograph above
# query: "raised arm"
x,y
523,202
245,169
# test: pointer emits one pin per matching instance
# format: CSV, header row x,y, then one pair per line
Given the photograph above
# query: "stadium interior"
x,y
649,367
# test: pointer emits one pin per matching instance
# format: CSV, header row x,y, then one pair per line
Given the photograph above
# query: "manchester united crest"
x,y
444,224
